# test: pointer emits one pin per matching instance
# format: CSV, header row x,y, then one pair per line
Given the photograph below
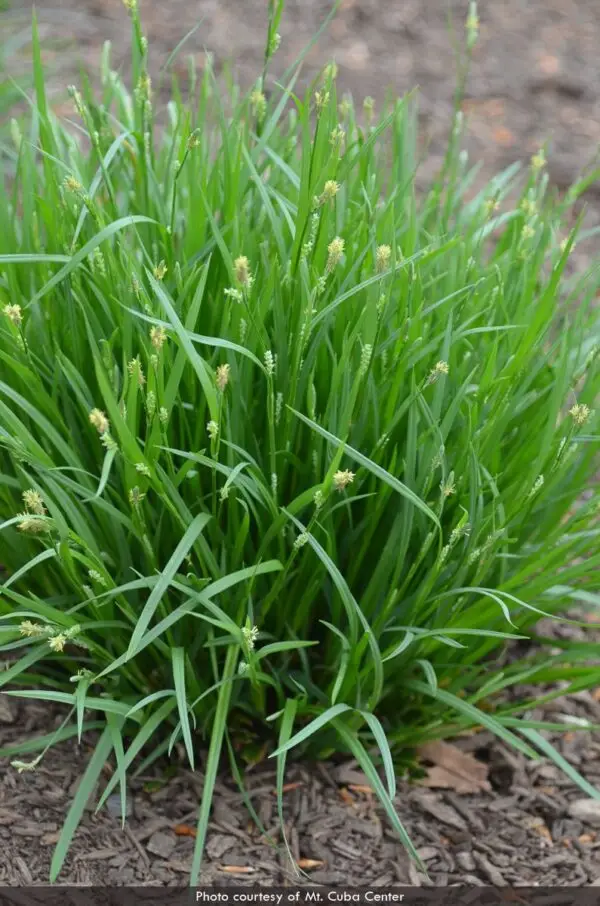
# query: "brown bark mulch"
x,y
524,831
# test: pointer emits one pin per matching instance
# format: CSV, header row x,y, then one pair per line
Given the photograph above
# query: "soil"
x,y
535,78
522,832
535,74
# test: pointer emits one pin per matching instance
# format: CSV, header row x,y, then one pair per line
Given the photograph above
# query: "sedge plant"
x,y
289,453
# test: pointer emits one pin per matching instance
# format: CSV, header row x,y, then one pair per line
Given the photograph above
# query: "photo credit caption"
x,y
310,895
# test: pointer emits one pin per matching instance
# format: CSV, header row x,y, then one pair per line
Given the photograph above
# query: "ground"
x,y
535,75
523,830
535,78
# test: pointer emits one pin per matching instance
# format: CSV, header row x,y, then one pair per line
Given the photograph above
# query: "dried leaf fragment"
x,y
184,830
452,769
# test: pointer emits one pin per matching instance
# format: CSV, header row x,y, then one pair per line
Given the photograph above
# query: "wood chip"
x,y
237,869
441,812
96,855
490,871
549,64
452,769
289,787
504,137
586,839
7,817
310,863
184,830
361,788
543,832
346,796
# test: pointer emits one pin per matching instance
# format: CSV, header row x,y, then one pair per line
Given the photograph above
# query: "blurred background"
x,y
535,75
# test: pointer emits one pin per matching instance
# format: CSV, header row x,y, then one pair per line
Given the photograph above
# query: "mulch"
x,y
535,74
535,77
524,831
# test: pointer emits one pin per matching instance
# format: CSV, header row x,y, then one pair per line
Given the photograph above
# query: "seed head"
x,y
537,486
250,634
527,232
369,107
158,336
258,103
33,502
344,108
459,532
163,415
538,161
95,576
234,294
274,44
382,257
528,206
321,99
301,540
97,262
33,525
14,313
438,369
151,403
136,496
212,429
160,270
31,630
193,140
77,101
337,136
99,420
336,250
343,478
143,88
319,499
57,642
365,359
269,362
134,367
72,184
330,190
330,71
242,270
222,378
448,488
580,413
143,469
108,442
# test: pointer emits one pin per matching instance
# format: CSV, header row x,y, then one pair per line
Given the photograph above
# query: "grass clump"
x,y
282,445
